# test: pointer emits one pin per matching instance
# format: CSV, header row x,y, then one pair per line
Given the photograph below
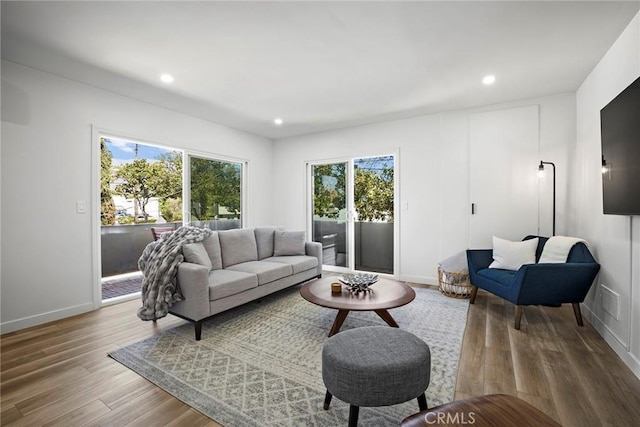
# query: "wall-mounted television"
x,y
620,137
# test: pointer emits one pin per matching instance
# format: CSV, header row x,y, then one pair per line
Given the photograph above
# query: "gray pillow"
x,y
288,243
238,246
197,254
264,240
212,245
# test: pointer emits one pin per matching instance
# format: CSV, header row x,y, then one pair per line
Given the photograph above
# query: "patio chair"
x,y
157,231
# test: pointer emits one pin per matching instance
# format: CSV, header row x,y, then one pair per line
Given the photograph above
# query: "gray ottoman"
x,y
375,366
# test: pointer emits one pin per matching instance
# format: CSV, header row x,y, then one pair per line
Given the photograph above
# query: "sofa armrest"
x,y
549,283
315,249
192,280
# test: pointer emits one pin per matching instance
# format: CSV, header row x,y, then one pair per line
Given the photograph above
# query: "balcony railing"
x,y
373,244
122,245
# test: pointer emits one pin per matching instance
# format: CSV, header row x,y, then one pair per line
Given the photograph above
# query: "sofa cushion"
x,y
264,241
509,255
224,283
237,246
212,245
288,243
299,263
504,277
196,254
267,272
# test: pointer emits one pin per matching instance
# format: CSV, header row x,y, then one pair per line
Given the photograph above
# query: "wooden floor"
x,y
59,374
567,371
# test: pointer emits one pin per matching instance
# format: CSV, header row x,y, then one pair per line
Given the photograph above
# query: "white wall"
x,y
47,248
616,238
434,175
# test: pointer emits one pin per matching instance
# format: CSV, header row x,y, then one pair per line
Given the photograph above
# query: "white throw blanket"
x,y
159,266
557,249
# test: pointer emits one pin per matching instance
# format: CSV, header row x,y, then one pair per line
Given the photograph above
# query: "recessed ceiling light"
x,y
490,79
166,78
277,121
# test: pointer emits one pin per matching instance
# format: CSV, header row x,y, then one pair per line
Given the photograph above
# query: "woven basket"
x,y
454,284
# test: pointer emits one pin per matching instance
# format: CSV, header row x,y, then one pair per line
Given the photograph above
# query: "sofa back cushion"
x,y
196,253
212,246
288,243
541,242
580,253
264,241
238,246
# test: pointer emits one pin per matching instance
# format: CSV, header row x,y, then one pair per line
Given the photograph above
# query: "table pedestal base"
x,y
342,315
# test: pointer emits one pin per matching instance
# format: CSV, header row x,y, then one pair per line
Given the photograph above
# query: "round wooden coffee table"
x,y
384,294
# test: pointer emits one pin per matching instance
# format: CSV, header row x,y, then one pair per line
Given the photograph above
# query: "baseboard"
x,y
39,319
423,280
627,357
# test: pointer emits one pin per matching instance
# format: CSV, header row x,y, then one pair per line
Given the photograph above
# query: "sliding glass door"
x,y
144,189
215,193
140,190
329,221
352,205
374,206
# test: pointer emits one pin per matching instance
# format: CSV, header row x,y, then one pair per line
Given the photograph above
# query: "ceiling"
x,y
317,65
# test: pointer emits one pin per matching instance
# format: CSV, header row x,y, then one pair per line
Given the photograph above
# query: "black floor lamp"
x,y
541,173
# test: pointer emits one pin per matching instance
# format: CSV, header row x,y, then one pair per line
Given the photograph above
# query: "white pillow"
x,y
509,255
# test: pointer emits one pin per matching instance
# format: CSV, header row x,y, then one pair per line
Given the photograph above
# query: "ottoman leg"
x,y
353,415
422,402
327,400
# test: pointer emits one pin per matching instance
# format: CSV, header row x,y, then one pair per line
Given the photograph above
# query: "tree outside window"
x,y
158,174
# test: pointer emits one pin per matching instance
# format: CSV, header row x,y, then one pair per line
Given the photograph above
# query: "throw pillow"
x,y
509,255
197,254
212,246
264,241
288,243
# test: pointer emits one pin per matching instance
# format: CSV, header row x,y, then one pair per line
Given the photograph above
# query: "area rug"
x,y
260,364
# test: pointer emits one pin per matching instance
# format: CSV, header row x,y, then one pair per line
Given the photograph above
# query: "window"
x,y
215,193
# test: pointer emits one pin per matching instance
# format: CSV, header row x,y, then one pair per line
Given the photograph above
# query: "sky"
x,y
124,151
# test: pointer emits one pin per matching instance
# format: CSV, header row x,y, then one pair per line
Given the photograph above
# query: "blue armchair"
x,y
536,284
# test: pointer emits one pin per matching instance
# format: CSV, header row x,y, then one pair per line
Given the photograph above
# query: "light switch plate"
x,y
81,207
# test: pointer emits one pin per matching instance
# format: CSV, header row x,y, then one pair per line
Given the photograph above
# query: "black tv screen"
x,y
620,132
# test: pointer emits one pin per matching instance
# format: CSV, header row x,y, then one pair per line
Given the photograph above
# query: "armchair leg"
x,y
577,312
474,292
518,316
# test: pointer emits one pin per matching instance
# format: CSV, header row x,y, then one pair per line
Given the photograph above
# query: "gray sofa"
x,y
232,267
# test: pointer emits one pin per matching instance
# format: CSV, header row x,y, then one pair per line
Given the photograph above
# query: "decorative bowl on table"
x,y
358,282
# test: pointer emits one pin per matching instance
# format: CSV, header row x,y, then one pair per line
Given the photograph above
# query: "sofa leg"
x,y
577,312
474,292
198,326
518,316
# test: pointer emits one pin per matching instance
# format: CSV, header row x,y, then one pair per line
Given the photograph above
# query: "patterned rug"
x,y
260,364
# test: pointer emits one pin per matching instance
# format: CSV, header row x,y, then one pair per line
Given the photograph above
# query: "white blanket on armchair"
x,y
557,249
